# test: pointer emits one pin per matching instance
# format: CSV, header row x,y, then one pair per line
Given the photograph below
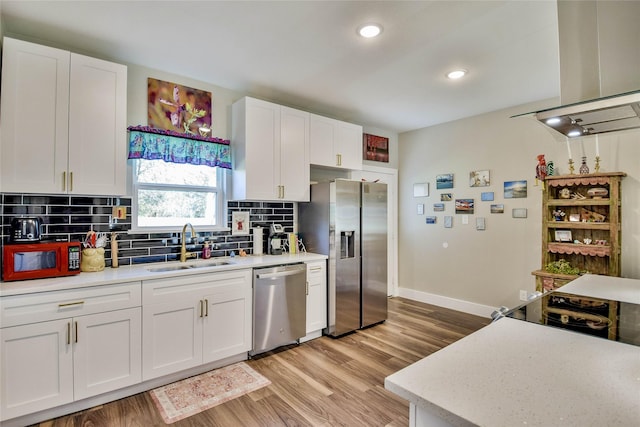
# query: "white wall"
x,y
490,267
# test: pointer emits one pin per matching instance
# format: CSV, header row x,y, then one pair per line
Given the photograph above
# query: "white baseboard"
x,y
446,302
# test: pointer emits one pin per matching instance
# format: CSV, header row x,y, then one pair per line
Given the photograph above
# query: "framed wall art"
x,y
479,178
497,208
519,213
421,189
240,223
431,220
446,197
376,148
515,189
444,181
486,196
178,108
465,206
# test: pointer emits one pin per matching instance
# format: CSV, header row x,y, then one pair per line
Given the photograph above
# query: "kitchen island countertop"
x,y
138,272
516,373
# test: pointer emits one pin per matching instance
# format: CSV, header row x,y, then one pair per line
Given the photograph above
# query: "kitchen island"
x,y
513,372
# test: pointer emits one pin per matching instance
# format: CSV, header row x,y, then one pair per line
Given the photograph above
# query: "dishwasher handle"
x,y
279,274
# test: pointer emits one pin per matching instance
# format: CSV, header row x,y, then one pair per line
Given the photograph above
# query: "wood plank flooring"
x,y
323,382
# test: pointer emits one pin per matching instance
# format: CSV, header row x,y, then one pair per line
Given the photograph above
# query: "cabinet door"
x,y
262,156
228,326
36,367
294,155
171,336
322,138
349,146
97,126
107,352
35,98
316,296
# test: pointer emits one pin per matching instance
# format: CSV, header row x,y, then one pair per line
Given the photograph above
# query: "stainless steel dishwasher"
x,y
279,306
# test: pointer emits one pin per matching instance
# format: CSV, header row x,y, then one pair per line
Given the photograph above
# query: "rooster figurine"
x,y
541,169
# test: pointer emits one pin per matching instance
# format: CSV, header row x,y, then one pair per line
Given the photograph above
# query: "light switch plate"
x,y
465,219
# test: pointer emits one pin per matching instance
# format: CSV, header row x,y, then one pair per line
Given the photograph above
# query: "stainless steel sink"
x,y
188,266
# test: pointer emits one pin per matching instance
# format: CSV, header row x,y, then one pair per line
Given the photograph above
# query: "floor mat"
x,y
196,394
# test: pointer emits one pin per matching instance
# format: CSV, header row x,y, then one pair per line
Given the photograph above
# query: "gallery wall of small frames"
x,y
476,190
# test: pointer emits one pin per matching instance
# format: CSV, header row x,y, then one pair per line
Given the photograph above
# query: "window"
x,y
168,195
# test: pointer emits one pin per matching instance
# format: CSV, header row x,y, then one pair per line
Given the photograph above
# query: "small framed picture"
x,y
480,224
515,189
448,221
421,189
240,223
497,209
431,220
444,180
519,213
479,178
486,196
574,217
563,236
446,197
464,206
438,207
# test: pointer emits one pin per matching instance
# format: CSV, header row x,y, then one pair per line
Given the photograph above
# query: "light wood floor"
x,y
323,382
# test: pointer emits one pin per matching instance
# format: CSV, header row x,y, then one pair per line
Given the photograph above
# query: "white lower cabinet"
x,y
316,299
195,319
84,351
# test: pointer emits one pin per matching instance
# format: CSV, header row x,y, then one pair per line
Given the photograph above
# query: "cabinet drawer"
x,y
44,306
159,291
315,269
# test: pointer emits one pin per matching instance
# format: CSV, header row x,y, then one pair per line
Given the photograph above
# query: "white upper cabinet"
x,y
334,143
270,146
63,122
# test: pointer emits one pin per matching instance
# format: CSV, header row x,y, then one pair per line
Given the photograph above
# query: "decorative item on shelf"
x,y
541,169
561,266
597,192
571,168
587,241
584,169
550,168
558,215
565,193
596,168
590,216
93,252
577,196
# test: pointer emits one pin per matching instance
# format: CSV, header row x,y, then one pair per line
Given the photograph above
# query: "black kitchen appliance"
x,y
277,238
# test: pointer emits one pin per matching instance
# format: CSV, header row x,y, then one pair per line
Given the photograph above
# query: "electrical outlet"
x,y
523,295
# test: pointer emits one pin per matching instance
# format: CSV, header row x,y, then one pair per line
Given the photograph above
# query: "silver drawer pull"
x,y
315,269
69,304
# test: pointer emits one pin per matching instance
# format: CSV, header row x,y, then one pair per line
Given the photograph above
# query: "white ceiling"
x,y
306,54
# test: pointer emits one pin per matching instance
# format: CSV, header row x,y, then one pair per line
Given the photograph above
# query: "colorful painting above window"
x,y
178,108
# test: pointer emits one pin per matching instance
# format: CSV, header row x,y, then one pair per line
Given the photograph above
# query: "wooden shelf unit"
x,y
586,217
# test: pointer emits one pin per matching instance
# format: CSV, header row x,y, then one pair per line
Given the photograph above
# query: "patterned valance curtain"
x,y
157,144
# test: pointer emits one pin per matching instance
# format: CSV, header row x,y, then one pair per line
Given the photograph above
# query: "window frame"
x,y
220,190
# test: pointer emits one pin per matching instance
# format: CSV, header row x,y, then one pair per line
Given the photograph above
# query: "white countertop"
x,y
605,287
516,373
141,272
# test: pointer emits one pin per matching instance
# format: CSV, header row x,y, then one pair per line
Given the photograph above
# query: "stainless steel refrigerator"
x,y
347,221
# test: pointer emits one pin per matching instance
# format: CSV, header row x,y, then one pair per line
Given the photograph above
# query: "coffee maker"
x,y
277,238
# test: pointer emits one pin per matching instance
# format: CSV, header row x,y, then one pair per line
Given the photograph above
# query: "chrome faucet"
x,y
183,250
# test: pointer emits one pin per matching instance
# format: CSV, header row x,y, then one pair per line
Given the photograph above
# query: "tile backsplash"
x,y
70,217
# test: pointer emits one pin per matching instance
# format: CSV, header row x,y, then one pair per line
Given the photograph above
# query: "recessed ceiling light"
x,y
456,74
370,30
